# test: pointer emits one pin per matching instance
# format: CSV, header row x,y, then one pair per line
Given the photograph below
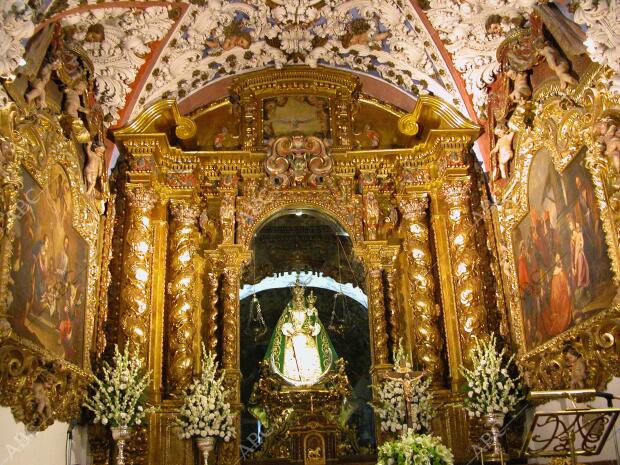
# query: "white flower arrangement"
x,y
205,412
118,395
415,449
489,387
392,407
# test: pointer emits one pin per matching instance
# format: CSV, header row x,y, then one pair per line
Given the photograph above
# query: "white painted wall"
x,y
608,452
18,447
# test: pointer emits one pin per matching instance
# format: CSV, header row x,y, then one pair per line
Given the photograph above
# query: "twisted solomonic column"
x,y
425,315
137,275
182,293
465,265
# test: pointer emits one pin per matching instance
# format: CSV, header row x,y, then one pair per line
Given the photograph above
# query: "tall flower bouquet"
x,y
118,399
415,449
392,405
205,412
489,387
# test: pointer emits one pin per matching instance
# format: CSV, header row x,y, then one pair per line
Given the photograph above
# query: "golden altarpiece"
x,y
428,276
166,250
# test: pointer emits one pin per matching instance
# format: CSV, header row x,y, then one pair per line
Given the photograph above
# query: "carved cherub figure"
x,y
559,66
502,153
608,133
577,366
7,155
521,90
42,400
93,168
37,86
73,99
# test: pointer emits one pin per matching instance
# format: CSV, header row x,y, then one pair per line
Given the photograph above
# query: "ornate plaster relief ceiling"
x,y
462,26
602,17
118,47
145,50
380,37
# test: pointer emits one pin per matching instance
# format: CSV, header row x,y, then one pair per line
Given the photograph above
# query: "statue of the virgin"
x,y
300,351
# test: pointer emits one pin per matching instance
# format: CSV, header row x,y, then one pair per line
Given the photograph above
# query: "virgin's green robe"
x,y
304,358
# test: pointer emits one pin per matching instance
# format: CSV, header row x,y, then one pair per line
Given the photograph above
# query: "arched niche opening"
x,y
305,244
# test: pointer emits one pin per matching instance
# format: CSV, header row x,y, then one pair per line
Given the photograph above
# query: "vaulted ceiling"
x,y
143,51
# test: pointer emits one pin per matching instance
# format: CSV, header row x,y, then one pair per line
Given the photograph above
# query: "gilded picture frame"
x,y
564,126
33,377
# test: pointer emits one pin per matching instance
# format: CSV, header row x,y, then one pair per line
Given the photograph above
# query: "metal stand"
x,y
573,432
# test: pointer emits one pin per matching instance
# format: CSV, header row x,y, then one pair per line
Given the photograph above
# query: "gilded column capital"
x,y
142,197
233,257
456,192
413,207
184,212
377,255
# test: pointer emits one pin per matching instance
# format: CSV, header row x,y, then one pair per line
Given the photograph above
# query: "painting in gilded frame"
x,y
563,269
49,269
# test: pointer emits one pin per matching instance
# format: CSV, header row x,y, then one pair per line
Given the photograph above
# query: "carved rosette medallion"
x,y
465,260
298,161
182,292
427,339
136,291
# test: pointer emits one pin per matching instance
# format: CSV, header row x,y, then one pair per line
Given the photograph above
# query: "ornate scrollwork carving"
x,y
38,390
181,289
298,161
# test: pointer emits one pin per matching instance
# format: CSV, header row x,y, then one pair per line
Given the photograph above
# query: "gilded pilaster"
x,y
372,254
233,258
136,291
464,264
182,292
394,313
427,342
211,314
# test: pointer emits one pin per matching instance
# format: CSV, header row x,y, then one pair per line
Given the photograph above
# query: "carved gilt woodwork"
x,y
564,124
182,290
357,189
137,270
37,382
427,338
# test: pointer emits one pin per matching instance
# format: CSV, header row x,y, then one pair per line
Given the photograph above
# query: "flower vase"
x,y
494,451
205,445
120,434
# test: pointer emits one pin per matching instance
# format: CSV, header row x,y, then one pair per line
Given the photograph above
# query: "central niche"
x,y
306,248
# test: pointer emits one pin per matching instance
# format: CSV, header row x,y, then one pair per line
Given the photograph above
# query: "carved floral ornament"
x,y
566,128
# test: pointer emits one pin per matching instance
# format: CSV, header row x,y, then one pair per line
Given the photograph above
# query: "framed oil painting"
x,y
561,258
49,269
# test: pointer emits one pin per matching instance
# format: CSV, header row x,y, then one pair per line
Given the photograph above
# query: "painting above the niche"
x,y
49,269
563,269
295,115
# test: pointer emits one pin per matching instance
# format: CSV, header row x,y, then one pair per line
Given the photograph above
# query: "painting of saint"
x,y
563,271
51,257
